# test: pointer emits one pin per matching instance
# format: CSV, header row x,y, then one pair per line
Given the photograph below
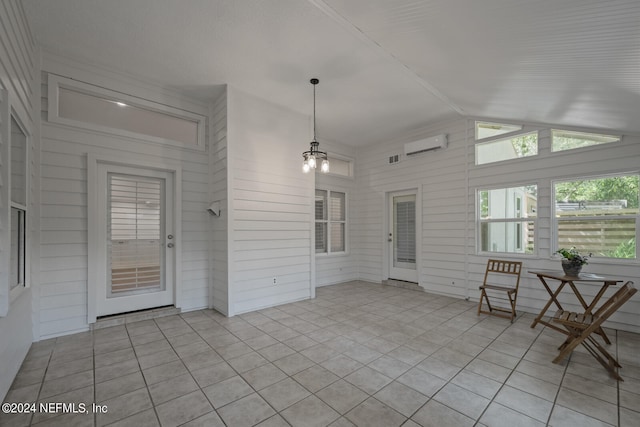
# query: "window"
x,y
507,219
487,129
341,166
598,215
17,252
506,149
568,140
83,105
331,214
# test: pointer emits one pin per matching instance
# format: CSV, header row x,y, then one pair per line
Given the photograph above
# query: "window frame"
x,y
56,82
552,132
503,138
519,218
555,220
23,234
329,222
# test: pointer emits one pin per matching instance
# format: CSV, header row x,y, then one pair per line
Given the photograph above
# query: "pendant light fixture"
x,y
314,155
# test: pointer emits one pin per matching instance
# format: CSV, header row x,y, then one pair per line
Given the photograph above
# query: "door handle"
x,y
169,245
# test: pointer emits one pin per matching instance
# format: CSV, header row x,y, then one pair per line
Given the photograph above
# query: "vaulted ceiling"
x,y
387,68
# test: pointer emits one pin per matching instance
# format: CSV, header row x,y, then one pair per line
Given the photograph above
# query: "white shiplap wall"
x,y
218,171
18,77
63,302
270,204
542,170
439,177
333,269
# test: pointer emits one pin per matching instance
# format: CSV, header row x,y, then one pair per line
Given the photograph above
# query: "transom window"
x,y
598,215
506,149
507,219
488,130
569,140
331,214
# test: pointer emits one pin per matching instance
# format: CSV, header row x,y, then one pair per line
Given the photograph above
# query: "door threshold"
x,y
134,316
403,284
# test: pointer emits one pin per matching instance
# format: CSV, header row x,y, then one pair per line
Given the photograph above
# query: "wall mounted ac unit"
x,y
427,144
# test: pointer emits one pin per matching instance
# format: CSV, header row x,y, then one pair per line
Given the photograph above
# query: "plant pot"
x,y
571,269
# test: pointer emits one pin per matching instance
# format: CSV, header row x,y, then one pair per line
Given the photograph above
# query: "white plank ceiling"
x,y
387,68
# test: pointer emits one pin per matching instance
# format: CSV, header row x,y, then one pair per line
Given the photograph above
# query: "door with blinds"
x,y
136,228
402,236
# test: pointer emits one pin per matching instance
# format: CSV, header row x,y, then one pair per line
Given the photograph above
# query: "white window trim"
x,y
328,221
349,160
520,220
554,220
56,82
7,294
587,147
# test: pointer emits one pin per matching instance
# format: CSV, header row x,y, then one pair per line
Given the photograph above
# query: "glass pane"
x,y
135,235
486,129
511,237
114,114
18,164
507,149
614,238
568,140
321,205
337,238
514,202
338,167
17,251
594,197
321,237
337,206
404,229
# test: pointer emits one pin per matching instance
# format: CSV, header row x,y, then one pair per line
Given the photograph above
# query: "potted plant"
x,y
572,261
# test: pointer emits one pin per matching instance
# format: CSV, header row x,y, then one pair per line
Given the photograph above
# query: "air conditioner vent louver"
x,y
427,144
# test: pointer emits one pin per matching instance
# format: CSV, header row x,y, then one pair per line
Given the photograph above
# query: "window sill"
x,y
332,254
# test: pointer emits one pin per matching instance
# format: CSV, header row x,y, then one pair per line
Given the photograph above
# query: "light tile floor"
x,y
359,354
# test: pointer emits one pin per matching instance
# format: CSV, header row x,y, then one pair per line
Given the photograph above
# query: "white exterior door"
x,y
136,238
402,236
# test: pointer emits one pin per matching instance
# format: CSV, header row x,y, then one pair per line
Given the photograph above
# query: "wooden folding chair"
x,y
501,279
581,327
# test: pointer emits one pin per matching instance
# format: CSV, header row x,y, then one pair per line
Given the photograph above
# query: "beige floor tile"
x,y
247,362
315,378
403,399
477,383
439,368
172,388
342,396
119,386
201,360
164,372
525,403
368,380
283,394
227,391
562,416
147,418
248,411
213,374
124,406
264,376
310,412
470,404
210,419
293,364
373,413
435,414
65,384
421,381
590,406
183,409
497,415
341,365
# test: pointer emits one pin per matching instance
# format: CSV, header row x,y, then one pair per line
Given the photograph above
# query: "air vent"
x,y
394,159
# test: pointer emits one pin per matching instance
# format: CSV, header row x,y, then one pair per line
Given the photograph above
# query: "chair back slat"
x,y
616,301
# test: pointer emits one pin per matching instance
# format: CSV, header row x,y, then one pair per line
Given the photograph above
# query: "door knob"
x,y
169,245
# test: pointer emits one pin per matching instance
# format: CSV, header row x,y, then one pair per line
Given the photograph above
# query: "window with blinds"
x,y
330,216
134,230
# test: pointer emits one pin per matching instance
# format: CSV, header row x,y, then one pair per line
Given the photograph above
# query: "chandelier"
x,y
314,155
